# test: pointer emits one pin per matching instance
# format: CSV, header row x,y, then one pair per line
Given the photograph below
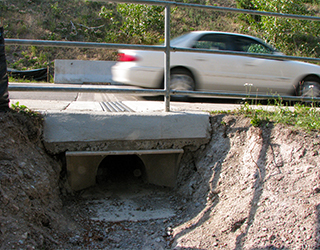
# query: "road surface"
x,y
71,96
79,101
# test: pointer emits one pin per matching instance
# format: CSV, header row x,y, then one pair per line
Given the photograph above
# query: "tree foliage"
x,y
143,23
292,36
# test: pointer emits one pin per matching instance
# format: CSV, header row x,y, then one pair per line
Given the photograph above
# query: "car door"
x,y
218,72
264,76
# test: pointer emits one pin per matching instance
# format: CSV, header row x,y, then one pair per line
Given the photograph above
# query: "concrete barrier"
x,y
81,71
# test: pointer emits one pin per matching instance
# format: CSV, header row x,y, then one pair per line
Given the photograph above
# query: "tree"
x,y
139,23
292,36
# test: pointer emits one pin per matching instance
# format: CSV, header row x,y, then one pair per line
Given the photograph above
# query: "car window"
x,y
211,41
258,48
244,44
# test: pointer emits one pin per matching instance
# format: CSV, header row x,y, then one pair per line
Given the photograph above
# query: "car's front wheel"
x,y
181,80
310,87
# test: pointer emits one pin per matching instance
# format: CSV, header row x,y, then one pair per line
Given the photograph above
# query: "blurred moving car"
x,y
219,72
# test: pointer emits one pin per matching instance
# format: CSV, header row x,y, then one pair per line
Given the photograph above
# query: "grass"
x,y
12,79
305,116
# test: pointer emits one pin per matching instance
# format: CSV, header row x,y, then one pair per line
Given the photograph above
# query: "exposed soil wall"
x,y
249,188
29,190
255,188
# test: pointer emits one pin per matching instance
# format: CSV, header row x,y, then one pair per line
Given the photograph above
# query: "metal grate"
x,y
115,107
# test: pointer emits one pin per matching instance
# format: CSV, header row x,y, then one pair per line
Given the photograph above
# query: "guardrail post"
x,y
4,95
167,59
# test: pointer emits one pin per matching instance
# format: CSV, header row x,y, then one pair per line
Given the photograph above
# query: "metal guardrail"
x,y
156,92
216,8
166,49
91,45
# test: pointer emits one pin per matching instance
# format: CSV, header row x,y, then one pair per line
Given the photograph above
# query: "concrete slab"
x,y
128,202
145,106
84,106
130,210
85,127
158,106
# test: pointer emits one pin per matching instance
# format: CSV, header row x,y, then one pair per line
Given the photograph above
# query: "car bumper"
x,y
148,77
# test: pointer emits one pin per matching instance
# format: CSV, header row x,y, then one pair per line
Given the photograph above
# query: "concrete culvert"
x,y
88,168
121,168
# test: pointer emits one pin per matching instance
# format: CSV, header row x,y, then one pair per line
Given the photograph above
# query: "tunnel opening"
x,y
121,168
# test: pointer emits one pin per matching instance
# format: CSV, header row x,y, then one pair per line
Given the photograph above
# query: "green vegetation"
x,y
87,21
138,23
299,116
22,109
291,36
78,20
13,79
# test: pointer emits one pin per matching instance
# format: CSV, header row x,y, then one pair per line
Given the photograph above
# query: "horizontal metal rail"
x,y
243,96
215,8
88,45
257,55
157,92
27,42
84,90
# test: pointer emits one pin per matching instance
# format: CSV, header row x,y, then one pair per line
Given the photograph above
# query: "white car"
x,y
219,72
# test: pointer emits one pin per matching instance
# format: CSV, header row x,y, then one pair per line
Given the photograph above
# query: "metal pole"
x,y
167,59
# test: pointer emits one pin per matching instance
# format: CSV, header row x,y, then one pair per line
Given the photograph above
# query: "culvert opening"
x,y
156,167
121,168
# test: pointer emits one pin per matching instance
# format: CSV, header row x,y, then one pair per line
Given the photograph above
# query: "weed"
x,y
255,120
220,112
22,109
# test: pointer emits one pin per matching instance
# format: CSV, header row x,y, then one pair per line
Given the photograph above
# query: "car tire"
x,y
310,87
181,79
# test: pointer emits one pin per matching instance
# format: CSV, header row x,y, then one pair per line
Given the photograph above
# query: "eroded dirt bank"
x,y
258,189
249,188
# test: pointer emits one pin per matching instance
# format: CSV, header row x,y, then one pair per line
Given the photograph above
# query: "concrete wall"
x,y
64,131
81,71
161,166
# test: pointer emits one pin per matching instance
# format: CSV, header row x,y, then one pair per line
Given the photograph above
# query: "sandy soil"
x,y
249,188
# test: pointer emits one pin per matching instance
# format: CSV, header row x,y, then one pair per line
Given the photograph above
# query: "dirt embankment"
x,y
29,190
249,188
258,188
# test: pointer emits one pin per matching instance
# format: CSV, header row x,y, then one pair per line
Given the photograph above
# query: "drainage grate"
x,y
115,107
